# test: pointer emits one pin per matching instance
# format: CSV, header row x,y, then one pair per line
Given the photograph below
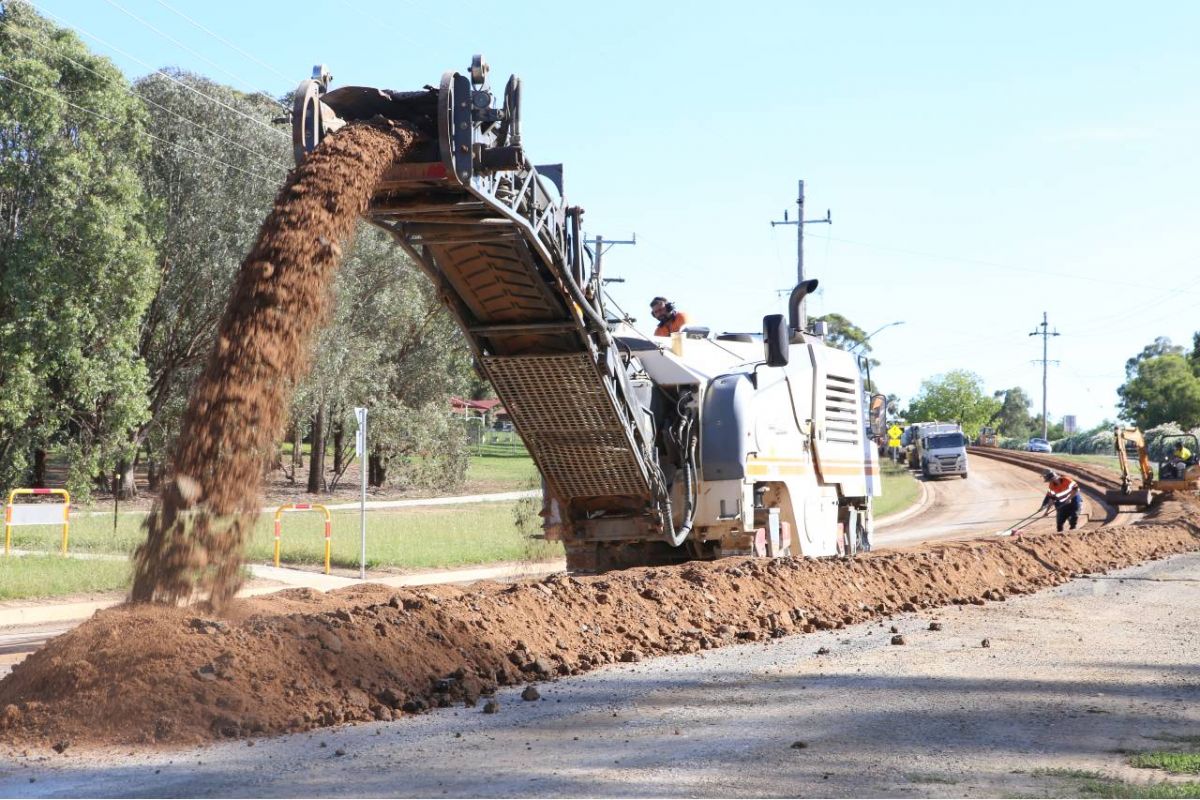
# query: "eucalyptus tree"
x,y
76,263
216,162
390,347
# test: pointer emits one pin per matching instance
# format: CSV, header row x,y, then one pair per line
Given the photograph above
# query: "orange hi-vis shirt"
x,y
1061,491
672,325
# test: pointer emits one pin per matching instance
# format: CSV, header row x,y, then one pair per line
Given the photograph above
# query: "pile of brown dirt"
x,y
237,409
299,660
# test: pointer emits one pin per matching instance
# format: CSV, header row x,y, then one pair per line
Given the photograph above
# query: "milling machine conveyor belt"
x,y
569,424
506,256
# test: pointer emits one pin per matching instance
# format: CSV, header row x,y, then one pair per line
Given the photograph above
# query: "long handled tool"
x,y
1016,528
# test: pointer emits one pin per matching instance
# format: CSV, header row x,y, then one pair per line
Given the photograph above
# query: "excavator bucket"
x,y
1142,498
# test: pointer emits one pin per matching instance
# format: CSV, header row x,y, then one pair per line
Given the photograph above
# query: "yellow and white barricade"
x,y
37,514
304,507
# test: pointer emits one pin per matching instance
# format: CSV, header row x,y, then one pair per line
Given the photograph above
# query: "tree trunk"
x,y
151,474
124,486
39,469
376,473
339,438
297,449
316,459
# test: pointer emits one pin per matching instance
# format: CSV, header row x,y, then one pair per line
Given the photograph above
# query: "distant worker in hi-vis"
x,y
669,320
1063,496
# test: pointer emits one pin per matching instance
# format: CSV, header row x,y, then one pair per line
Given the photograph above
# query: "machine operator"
x,y
1177,463
1064,497
669,320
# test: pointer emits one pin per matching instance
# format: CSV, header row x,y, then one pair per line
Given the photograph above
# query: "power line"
x,y
155,71
198,55
115,122
224,41
130,91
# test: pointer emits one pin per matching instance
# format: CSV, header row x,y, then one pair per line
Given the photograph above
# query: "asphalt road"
x,y
1073,676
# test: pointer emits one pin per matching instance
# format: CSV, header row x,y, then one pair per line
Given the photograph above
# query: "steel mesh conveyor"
x,y
569,423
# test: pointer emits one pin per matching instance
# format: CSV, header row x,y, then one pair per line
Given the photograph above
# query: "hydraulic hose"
x,y
677,537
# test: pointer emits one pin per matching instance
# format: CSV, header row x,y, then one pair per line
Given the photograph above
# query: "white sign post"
x,y
360,450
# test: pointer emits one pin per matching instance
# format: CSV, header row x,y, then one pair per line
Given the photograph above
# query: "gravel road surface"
x,y
992,499
1072,676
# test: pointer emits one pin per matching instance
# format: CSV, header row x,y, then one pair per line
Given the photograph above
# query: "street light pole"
x,y
867,338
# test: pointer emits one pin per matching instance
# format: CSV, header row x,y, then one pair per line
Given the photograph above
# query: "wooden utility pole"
x,y
800,222
1045,334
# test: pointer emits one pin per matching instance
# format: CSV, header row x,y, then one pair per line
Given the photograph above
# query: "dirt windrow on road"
x,y
298,660
237,409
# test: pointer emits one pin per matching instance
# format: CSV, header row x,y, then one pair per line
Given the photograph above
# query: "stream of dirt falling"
x,y
197,529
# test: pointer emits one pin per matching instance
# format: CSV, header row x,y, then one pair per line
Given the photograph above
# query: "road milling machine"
x,y
653,450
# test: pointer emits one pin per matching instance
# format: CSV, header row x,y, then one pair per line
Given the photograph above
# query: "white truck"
x,y
941,450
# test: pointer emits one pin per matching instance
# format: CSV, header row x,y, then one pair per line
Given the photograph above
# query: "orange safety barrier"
x,y
36,514
304,507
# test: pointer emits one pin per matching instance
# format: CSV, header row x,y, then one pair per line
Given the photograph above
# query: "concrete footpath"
x,y
268,579
412,502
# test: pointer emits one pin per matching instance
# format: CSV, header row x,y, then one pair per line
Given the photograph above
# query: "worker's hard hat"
x,y
1049,475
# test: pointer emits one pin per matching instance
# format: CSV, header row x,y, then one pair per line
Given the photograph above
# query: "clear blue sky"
x,y
984,162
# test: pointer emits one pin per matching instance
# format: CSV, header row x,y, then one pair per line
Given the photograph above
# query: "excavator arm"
x,y
1123,440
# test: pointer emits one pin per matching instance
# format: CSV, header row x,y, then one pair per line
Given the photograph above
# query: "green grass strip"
x,y
900,490
1177,763
35,576
1108,787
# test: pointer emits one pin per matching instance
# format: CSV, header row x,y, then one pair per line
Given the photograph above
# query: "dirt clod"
x,y
986,643
935,626
898,639
531,693
491,707
798,745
